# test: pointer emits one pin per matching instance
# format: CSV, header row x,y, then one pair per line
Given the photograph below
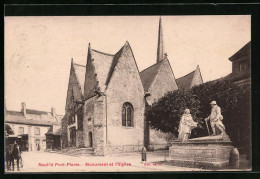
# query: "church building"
x,y
106,101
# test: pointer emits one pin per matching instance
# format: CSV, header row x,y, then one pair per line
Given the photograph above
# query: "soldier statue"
x,y
216,118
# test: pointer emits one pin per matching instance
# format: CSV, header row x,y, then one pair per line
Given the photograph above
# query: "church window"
x,y
127,115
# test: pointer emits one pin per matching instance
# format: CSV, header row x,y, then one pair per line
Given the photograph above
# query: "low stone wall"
x,y
161,146
123,149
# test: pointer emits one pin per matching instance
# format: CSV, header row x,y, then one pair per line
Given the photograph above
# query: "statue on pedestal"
x,y
186,125
215,119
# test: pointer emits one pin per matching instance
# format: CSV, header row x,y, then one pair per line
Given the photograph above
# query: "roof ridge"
x,y
102,52
37,110
152,65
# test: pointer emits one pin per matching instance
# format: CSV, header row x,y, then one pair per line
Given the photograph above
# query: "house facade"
x,y
31,126
241,66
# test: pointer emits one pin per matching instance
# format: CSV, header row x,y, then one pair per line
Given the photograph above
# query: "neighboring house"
x,y
31,125
106,100
241,63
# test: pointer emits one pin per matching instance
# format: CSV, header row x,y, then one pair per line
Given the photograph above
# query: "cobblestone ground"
x,y
130,162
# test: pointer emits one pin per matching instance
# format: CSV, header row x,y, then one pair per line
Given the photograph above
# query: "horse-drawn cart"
x,y
13,158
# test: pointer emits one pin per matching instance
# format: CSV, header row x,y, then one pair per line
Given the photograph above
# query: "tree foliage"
x,y
234,101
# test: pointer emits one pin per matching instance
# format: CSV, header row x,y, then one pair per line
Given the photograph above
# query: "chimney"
x,y
53,112
23,108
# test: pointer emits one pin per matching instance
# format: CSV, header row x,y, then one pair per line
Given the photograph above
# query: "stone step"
x,y
75,151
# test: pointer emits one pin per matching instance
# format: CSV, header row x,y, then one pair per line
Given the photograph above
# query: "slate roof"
x,y
55,132
33,117
102,63
149,74
243,52
185,81
80,71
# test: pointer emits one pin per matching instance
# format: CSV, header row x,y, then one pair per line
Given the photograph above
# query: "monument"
x,y
204,152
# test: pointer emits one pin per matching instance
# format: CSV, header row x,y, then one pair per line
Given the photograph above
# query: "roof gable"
x,y
148,75
113,65
100,68
191,79
80,71
243,52
185,81
75,88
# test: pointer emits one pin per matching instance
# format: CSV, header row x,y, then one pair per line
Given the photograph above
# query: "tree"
x,y
166,113
234,101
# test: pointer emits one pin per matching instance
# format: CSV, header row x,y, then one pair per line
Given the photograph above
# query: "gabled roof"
x,y
80,71
33,117
185,81
53,131
192,79
243,52
102,63
149,74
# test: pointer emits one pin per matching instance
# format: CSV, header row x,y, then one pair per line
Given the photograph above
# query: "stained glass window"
x,y
127,114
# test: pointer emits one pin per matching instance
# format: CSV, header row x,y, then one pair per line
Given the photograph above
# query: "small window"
x,y
127,115
89,119
37,131
242,66
21,130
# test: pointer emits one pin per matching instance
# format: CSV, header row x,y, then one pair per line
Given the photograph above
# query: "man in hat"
x,y
216,118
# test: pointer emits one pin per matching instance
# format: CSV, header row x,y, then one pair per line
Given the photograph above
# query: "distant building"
x,y
31,125
241,63
192,79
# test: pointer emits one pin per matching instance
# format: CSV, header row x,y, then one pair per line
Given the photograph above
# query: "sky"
x,y
38,50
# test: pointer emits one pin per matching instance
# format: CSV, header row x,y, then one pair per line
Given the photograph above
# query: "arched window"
x,y
127,114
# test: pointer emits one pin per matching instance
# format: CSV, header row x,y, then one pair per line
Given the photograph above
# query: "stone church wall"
x,y
125,86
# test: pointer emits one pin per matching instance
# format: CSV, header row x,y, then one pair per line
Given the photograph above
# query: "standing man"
x,y
216,118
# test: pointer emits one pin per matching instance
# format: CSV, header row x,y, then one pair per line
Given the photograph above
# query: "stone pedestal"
x,y
210,152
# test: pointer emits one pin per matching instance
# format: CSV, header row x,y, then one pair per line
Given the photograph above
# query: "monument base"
x,y
210,152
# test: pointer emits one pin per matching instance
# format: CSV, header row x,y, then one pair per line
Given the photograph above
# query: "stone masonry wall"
x,y
125,86
88,120
99,130
73,90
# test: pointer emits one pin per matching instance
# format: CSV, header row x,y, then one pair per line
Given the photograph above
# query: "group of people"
x,y
187,123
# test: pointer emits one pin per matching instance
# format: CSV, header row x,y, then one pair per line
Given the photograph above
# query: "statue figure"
x,y
216,118
186,125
